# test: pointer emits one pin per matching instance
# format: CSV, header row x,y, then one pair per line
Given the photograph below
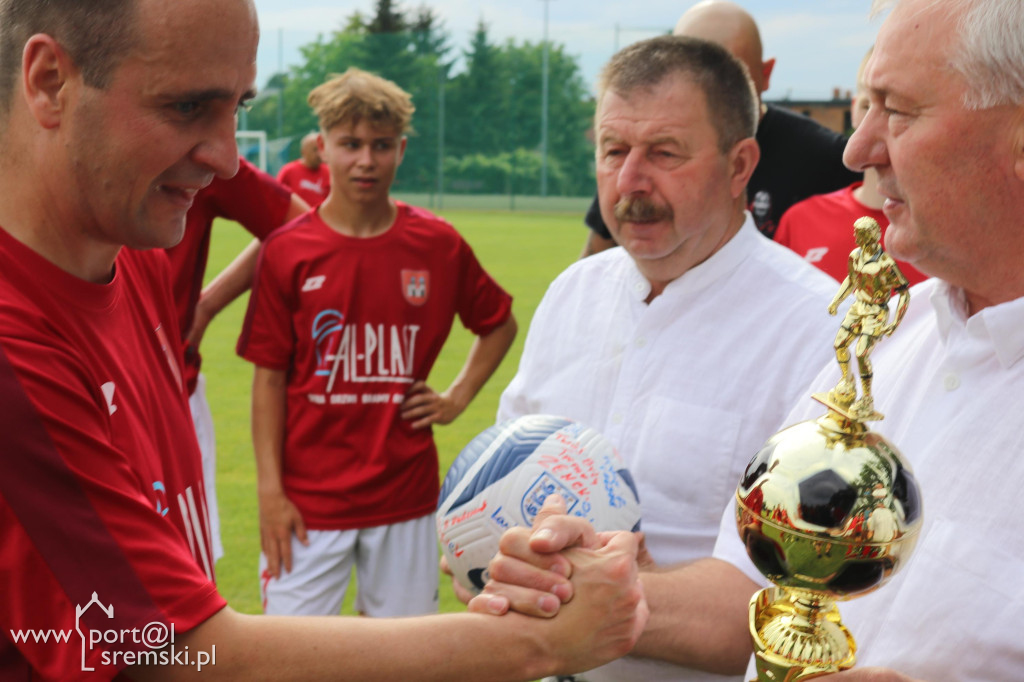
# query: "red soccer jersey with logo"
x,y
355,322
820,229
101,488
252,198
311,185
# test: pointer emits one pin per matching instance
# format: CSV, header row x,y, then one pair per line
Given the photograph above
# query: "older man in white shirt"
x,y
944,131
706,332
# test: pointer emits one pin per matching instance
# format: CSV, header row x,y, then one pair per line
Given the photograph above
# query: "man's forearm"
x,y
600,624
268,426
484,357
230,283
698,617
426,649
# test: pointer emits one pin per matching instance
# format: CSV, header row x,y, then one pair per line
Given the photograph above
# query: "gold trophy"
x,y
828,509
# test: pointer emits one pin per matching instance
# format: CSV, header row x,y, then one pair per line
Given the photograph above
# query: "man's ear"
x,y
1018,144
767,66
743,160
45,69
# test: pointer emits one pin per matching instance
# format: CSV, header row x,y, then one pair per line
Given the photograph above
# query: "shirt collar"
x,y
638,286
1001,325
949,305
720,264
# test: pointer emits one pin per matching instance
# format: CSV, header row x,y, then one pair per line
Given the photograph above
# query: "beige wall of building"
x,y
833,113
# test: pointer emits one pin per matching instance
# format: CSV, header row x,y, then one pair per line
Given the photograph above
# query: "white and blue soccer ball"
x,y
502,477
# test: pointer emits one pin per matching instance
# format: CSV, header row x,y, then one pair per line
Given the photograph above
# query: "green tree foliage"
x,y
515,172
492,107
478,101
387,19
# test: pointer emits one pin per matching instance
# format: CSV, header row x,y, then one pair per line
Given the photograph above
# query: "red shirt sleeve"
x,y
483,305
267,338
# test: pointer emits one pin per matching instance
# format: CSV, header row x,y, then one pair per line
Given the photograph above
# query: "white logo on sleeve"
x,y
108,394
816,254
310,185
314,283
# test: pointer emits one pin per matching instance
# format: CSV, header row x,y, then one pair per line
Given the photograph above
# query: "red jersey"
x,y
355,322
820,229
101,488
253,199
311,185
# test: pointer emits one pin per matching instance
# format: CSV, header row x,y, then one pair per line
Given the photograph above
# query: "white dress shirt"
x,y
952,392
686,387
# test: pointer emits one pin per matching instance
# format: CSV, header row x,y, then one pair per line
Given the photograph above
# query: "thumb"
x,y
554,505
300,531
554,530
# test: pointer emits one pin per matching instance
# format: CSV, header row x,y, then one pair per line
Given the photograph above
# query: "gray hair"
x,y
733,107
990,52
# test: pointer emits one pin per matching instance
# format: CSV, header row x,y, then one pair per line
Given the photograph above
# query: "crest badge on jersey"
x,y
416,286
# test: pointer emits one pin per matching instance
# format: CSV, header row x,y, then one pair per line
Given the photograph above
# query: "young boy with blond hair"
x,y
351,305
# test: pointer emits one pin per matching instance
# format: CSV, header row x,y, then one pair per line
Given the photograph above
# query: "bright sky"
x,y
818,44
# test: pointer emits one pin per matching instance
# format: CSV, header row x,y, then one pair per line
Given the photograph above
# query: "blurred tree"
x,y
570,112
515,172
355,24
387,19
478,101
427,34
411,52
491,108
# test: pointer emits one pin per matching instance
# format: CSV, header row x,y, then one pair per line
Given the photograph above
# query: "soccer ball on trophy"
x,y
826,513
502,477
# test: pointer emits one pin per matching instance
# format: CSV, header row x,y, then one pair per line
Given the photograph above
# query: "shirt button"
x,y
641,342
951,382
617,418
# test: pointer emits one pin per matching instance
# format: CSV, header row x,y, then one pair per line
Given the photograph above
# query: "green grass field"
x,y
523,251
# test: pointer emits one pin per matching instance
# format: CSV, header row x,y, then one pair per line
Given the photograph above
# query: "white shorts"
x,y
396,570
202,419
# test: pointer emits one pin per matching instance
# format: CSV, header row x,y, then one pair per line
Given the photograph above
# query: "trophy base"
x,y
795,640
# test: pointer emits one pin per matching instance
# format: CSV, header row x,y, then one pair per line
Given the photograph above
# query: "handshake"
x,y
580,592
585,585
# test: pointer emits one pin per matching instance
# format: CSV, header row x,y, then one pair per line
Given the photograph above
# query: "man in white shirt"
x,y
945,131
707,331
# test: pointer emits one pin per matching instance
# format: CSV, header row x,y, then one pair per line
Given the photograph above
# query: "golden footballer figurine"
x,y
828,509
873,276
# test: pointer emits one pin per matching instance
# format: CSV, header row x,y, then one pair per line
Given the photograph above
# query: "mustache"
x,y
640,209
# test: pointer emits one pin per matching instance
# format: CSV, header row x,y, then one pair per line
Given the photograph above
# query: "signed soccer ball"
x,y
502,477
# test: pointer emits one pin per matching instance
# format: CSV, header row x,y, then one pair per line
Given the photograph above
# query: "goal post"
x,y
252,144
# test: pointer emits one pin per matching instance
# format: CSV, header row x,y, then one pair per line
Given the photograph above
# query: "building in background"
x,y
832,113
